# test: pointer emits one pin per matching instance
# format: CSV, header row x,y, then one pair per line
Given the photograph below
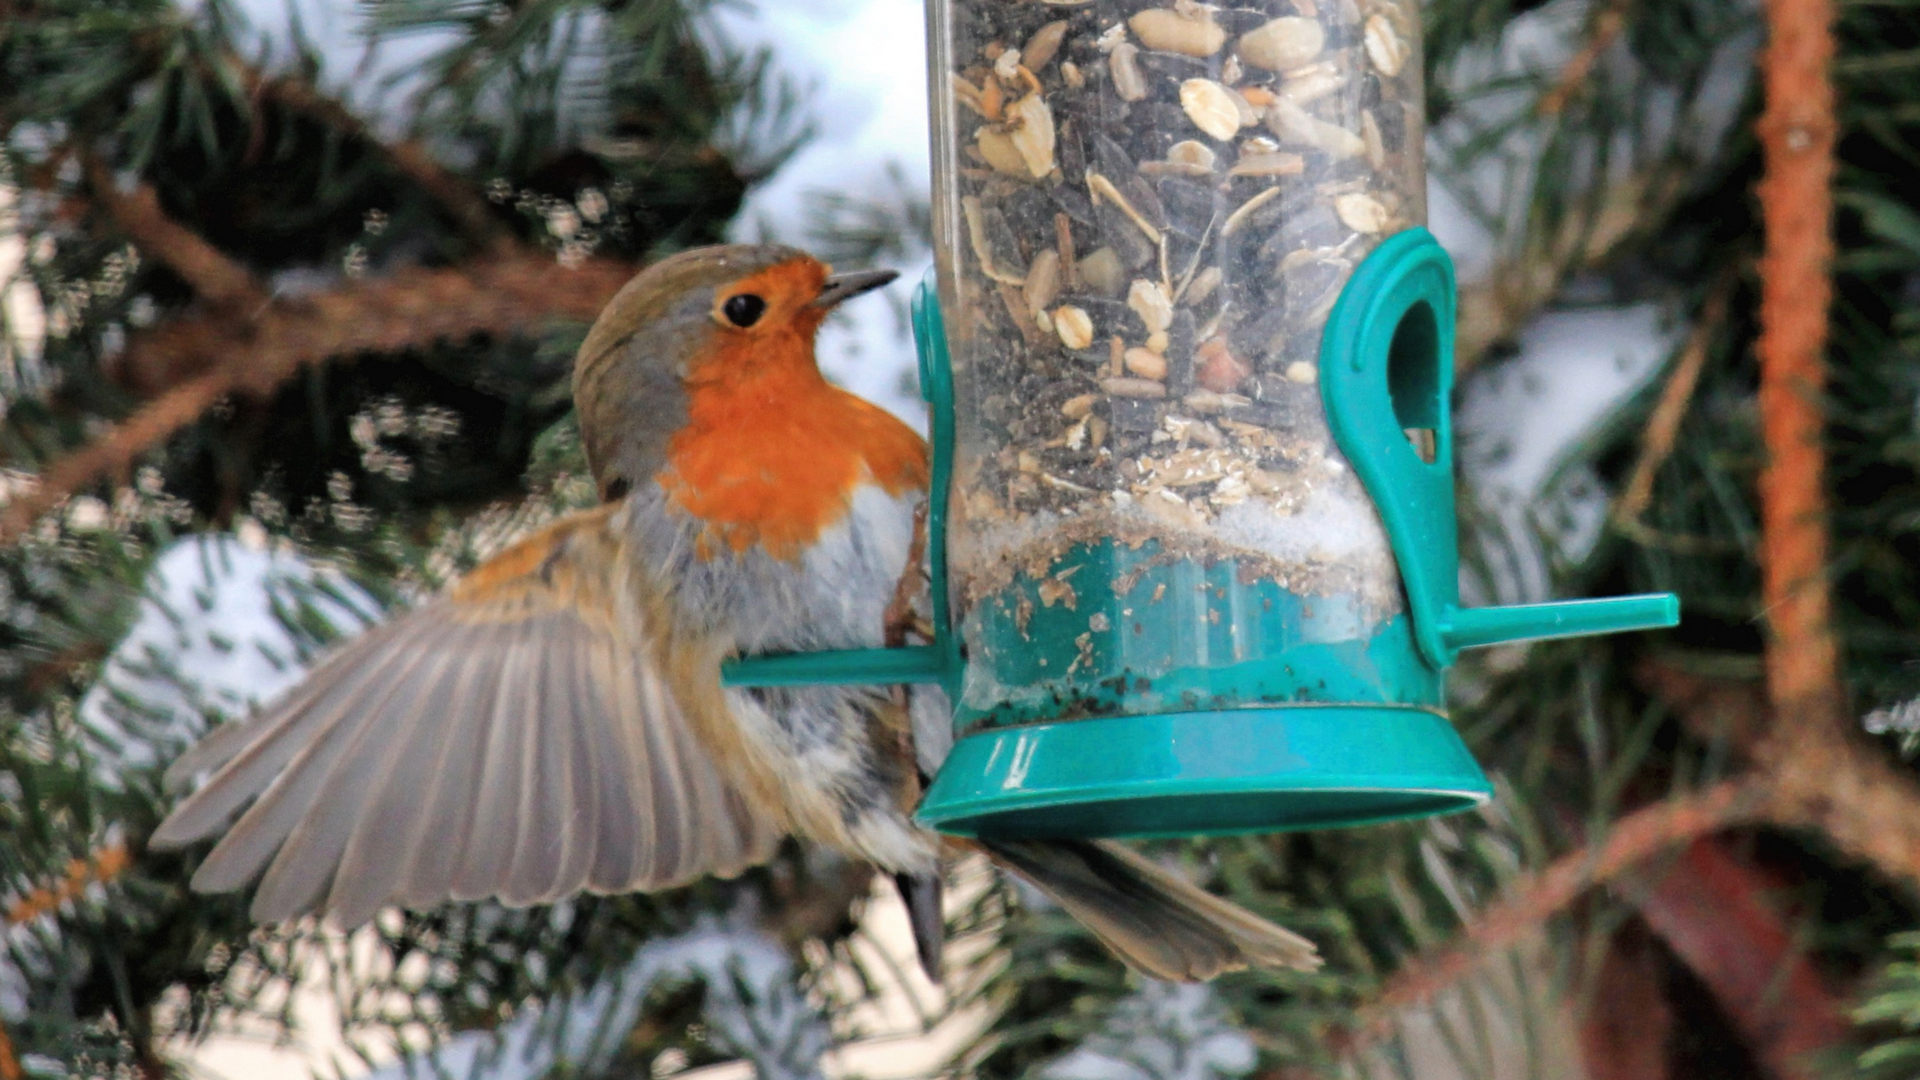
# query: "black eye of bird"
x,y
743,310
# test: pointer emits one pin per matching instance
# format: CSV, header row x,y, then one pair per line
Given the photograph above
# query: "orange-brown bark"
x,y
1797,133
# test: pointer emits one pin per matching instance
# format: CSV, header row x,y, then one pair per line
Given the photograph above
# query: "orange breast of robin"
x,y
772,453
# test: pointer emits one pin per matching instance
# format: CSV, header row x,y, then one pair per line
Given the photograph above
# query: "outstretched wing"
x,y
514,738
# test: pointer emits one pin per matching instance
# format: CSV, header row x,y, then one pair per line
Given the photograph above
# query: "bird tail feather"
x,y
921,894
1159,923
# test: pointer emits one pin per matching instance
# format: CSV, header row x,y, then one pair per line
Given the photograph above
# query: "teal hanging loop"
x,y
1387,377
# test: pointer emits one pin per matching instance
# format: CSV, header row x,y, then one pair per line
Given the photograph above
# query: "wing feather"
x,y
300,761
517,738
245,768
488,856
303,870
545,780
389,836
624,835
465,728
581,806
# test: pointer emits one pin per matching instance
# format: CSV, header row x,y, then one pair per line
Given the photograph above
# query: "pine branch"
x,y
1520,286
1602,32
1531,902
410,309
102,866
1836,784
1526,280
1797,133
1866,805
114,451
219,280
1663,426
458,198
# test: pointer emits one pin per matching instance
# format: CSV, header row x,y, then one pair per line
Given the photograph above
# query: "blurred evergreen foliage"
x,y
569,134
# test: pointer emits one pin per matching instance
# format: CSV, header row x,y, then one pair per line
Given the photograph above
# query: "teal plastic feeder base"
x,y
1252,770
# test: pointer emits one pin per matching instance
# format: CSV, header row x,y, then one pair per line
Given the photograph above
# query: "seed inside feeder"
x,y
1156,204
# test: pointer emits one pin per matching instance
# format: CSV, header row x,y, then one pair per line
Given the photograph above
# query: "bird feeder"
x,y
1195,558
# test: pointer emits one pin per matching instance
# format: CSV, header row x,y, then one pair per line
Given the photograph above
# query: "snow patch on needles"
x,y
753,1007
224,626
1523,425
1166,1031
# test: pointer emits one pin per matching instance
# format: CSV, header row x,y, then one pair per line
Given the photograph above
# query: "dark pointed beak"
x,y
843,287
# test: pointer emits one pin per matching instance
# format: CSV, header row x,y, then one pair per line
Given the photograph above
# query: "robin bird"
x,y
555,722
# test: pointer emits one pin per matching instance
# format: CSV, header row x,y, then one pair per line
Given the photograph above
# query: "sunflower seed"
x,y
1362,213
1147,364
1033,133
1129,83
1171,31
1282,44
1043,281
1149,301
1385,47
1074,327
1041,48
1213,108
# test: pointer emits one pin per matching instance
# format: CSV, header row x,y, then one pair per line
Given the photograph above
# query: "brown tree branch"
x,y
1601,34
114,451
467,207
1797,132
1533,900
218,279
1809,771
409,309
1663,426
1838,784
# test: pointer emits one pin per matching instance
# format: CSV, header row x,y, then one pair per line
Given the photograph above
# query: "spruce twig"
x,y
98,868
1602,33
1663,425
1841,787
102,866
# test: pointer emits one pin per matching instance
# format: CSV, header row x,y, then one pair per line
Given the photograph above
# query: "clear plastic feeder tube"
x,y
1146,211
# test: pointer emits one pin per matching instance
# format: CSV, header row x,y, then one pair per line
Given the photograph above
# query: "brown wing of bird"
x,y
515,738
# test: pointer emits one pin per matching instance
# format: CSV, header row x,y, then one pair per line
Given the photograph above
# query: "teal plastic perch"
x,y
844,667
1467,628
